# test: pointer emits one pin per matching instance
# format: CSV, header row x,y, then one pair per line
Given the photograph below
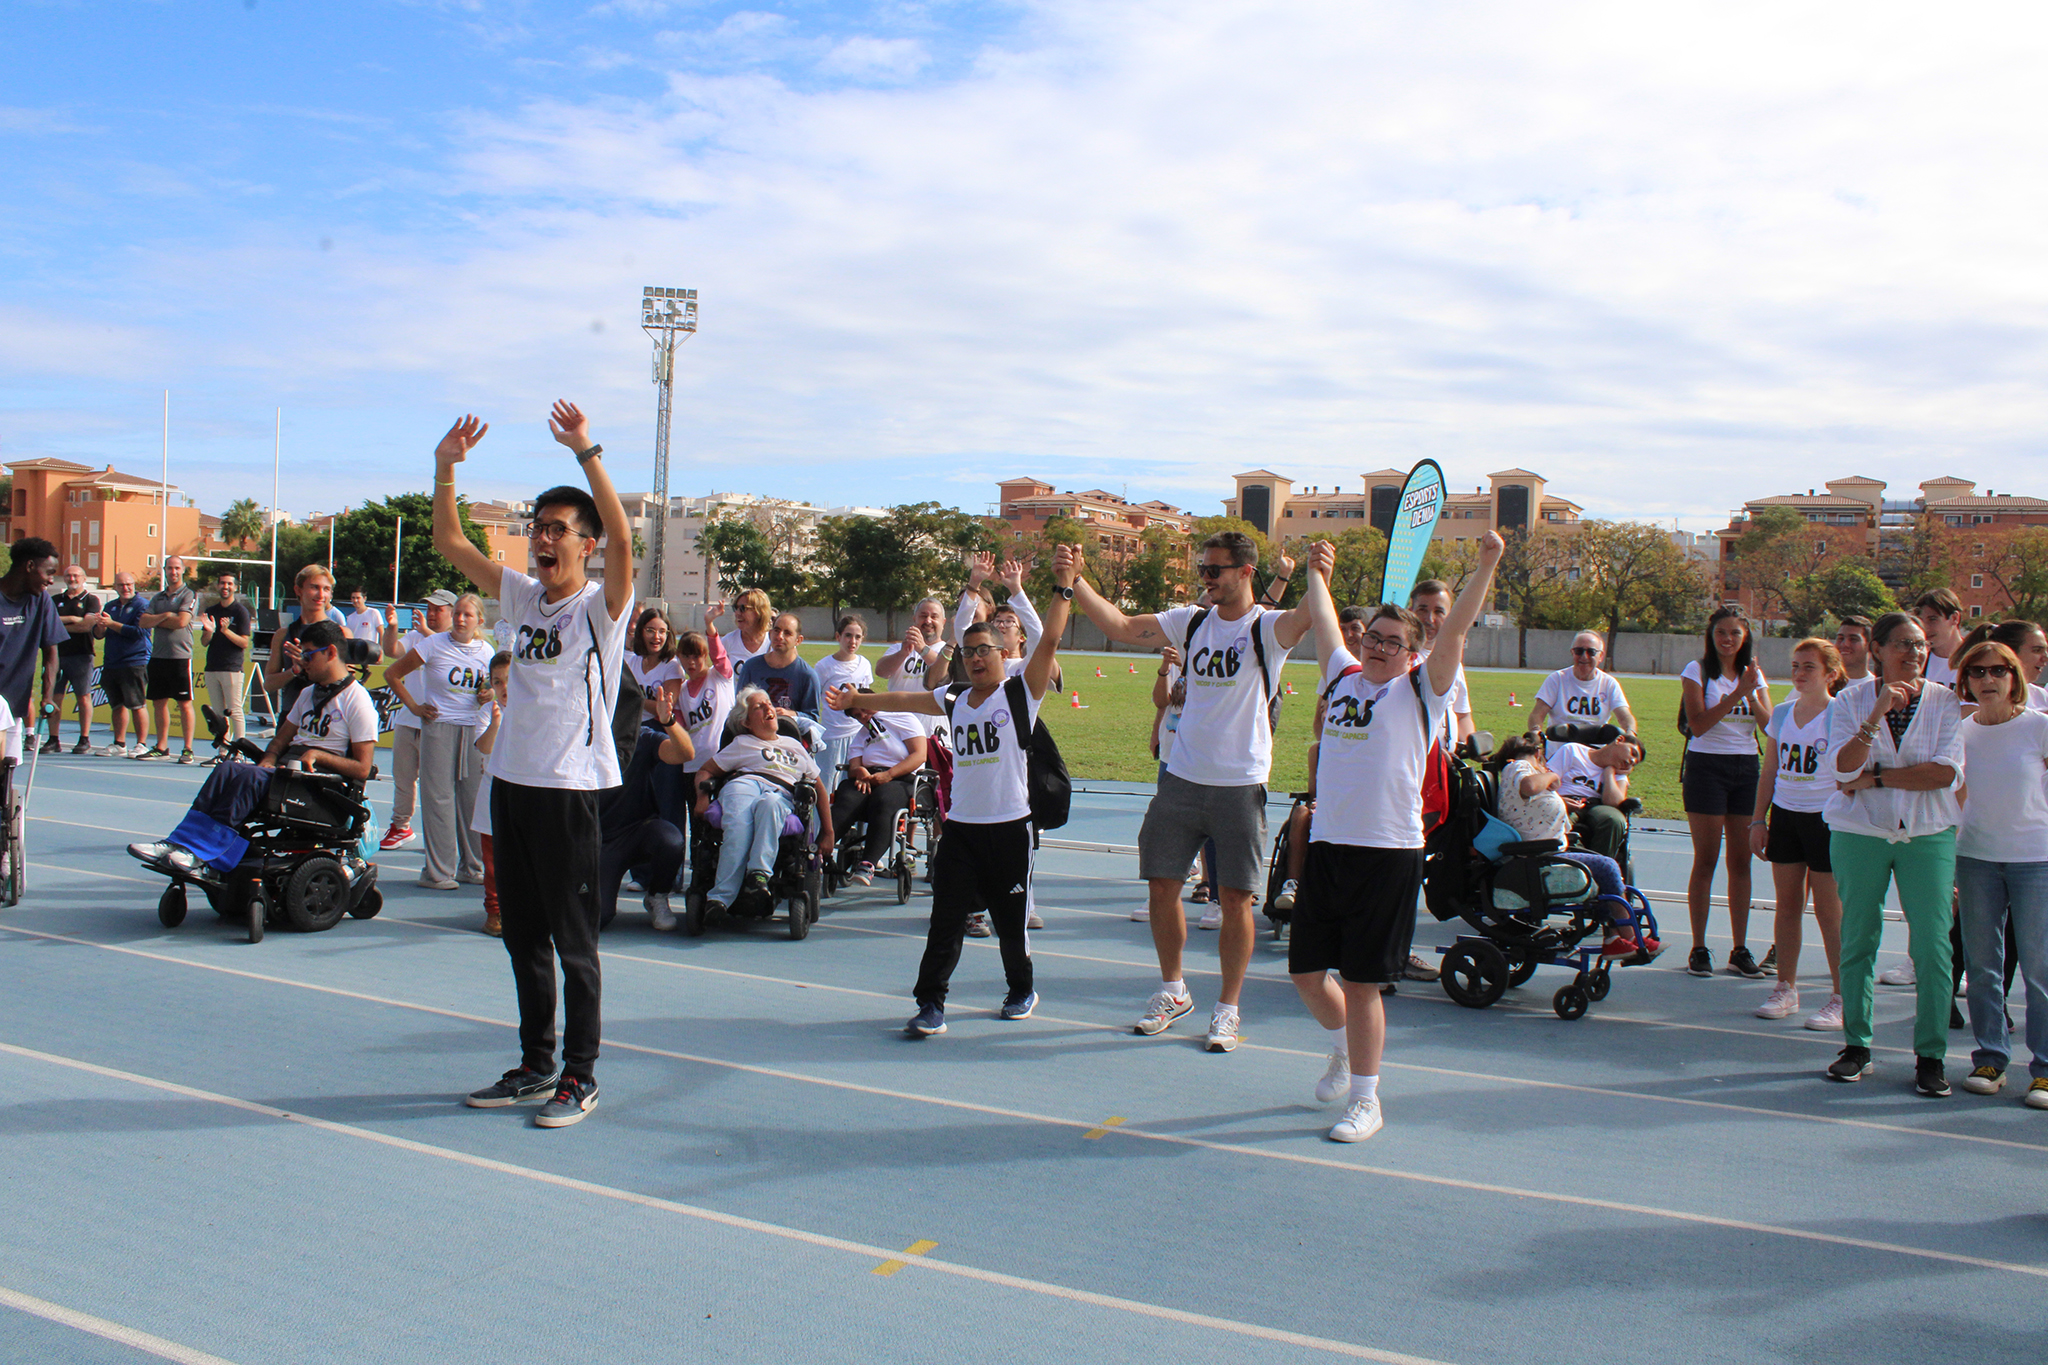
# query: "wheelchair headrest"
x,y
1592,736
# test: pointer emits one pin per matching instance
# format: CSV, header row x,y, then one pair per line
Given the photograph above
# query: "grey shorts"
x,y
74,674
1184,814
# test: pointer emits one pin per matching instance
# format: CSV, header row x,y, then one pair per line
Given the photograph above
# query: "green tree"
x,y
2018,563
1628,570
743,556
1361,557
364,538
1058,531
1788,565
1533,582
889,563
297,546
1152,575
1451,562
242,522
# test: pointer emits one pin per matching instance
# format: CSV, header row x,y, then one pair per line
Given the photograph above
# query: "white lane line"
x,y
1132,1131
862,1250
80,824
133,1337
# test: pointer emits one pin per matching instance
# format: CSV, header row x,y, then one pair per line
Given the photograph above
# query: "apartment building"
x,y
1510,500
101,519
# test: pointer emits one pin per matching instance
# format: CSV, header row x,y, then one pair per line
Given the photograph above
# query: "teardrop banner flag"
x,y
1422,501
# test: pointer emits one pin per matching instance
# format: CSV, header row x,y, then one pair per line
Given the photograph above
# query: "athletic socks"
x,y
1340,1038
1175,988
1223,1011
1364,1087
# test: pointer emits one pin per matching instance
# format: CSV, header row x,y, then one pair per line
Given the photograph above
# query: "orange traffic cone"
x,y
1100,674
1075,704
1134,668
1512,701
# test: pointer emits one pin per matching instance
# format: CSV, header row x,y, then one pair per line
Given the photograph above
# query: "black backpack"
x,y
1187,653
1051,790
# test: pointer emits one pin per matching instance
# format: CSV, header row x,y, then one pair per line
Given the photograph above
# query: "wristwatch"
x,y
1877,774
583,456
1065,594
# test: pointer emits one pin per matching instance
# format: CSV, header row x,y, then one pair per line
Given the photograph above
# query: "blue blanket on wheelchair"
x,y
210,831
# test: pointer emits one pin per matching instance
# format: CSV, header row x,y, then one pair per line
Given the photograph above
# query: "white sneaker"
x,y
1160,1011
1222,1031
977,925
657,908
1361,1120
1285,899
1901,975
137,750
1827,1017
1212,918
1336,1077
1142,915
1034,920
111,751
1782,1000
633,883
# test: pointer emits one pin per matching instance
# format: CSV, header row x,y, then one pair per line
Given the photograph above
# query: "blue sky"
x,y
1669,259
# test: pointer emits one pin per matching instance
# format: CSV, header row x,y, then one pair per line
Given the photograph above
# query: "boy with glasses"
x,y
549,764
1355,915
1583,694
1213,785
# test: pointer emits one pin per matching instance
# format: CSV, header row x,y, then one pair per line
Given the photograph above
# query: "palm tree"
x,y
242,523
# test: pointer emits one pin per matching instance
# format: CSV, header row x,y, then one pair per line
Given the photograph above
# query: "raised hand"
x,y
1491,547
1066,565
1285,568
664,714
913,640
569,425
713,610
1752,678
460,440
1169,656
1322,559
981,566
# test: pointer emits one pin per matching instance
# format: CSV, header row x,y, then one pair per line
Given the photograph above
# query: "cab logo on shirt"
x,y
1217,663
1583,706
1349,713
467,678
1802,760
971,740
537,645
699,715
323,722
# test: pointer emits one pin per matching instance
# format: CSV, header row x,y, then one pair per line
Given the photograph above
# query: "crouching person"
x,y
633,832
765,767
331,728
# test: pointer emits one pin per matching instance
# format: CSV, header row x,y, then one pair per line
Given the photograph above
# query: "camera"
x,y
359,653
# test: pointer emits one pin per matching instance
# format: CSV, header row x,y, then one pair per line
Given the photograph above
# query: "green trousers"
x,y
1925,870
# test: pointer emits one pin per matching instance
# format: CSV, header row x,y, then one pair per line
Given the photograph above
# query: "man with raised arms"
x,y
1214,783
1355,914
548,766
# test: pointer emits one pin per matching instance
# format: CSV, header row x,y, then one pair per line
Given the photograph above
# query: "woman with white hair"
x,y
453,706
765,767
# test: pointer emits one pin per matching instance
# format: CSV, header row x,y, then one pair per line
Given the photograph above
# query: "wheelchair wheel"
x,y
693,914
16,881
1570,1001
799,915
1523,965
368,904
316,896
1475,974
903,862
170,907
259,908
1597,984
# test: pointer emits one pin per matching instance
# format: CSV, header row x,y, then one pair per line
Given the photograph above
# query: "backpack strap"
x,y
1331,690
1187,642
1020,701
1422,704
953,691
1259,653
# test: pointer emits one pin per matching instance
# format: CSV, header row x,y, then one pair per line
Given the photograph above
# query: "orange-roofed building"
x,y
100,519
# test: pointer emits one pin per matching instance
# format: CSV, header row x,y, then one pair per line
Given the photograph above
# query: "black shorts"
x,y
124,685
1798,837
170,680
1355,911
1720,784
74,675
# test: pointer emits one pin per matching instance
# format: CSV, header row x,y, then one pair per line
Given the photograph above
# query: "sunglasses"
x,y
1579,652
1987,671
1215,571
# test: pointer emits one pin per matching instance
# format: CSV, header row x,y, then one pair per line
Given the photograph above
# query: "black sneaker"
x,y
1770,962
1700,963
53,745
1852,1065
1740,963
1929,1078
574,1097
520,1083
1955,1017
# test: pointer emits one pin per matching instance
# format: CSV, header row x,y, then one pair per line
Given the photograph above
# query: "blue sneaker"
x,y
1014,1008
928,1020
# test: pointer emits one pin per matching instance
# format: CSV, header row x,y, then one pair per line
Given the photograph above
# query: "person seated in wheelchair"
x,y
1530,801
762,768
331,729
1592,764
882,762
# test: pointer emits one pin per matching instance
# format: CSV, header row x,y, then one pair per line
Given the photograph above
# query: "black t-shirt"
x,y
222,656
85,604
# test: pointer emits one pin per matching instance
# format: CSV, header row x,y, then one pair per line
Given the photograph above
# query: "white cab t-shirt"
x,y
991,774
1578,776
782,758
704,715
884,739
1734,733
832,672
1805,774
348,717
736,651
413,639
1375,748
367,624
457,678
1573,702
1224,737
567,657
2005,816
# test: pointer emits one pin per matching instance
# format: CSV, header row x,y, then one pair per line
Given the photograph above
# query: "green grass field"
x,y
1108,738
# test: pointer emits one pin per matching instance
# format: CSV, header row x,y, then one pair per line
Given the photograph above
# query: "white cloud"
x,y
876,58
1669,256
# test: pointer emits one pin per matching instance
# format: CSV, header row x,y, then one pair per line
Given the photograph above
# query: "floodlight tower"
x,y
668,316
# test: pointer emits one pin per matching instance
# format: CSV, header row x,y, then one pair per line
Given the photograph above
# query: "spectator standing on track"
x,y
480,818
651,659
1897,746
169,617
1214,785
30,630
1355,914
364,622
1852,642
706,700
1726,699
314,587
227,624
983,861
917,662
1790,829
124,667
1940,614
77,608
1430,600
549,764
405,726
749,634
2002,864
781,672
1584,694
454,677
843,667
